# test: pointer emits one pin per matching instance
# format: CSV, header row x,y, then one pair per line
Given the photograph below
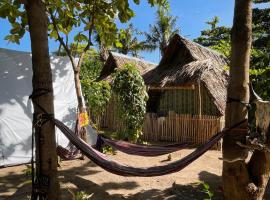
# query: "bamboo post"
x,y
199,99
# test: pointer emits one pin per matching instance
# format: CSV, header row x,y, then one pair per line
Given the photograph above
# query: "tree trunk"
x,y
46,157
82,109
241,180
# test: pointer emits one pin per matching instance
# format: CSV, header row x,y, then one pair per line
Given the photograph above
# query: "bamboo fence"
x,y
172,128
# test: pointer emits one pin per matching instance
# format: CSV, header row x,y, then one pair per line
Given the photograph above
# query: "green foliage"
x,y
87,16
260,60
76,49
81,195
69,15
131,96
128,42
16,15
97,93
91,67
108,150
223,47
215,36
206,190
164,29
218,38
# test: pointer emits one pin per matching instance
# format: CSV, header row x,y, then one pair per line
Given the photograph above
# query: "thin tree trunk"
x,y
241,180
82,109
76,70
46,157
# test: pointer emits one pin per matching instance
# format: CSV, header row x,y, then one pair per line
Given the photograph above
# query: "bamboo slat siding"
x,y
172,128
180,128
186,101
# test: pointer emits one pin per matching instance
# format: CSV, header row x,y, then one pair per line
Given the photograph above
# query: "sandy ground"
x,y
78,175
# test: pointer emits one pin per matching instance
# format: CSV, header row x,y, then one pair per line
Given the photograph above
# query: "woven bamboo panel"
x,y
180,128
172,128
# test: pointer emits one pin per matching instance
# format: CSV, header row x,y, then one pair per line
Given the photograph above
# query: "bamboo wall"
x,y
172,128
181,128
186,101
190,116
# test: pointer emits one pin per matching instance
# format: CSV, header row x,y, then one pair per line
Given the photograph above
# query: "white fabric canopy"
x,y
16,109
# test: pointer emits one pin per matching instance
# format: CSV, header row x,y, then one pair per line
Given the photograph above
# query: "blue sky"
x,y
192,15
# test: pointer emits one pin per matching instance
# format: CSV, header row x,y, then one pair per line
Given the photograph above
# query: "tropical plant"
x,y
206,190
96,93
130,96
103,48
128,42
218,38
260,60
215,35
160,34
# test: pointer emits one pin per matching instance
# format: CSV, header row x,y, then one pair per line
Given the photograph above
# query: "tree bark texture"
x,y
241,180
46,157
83,130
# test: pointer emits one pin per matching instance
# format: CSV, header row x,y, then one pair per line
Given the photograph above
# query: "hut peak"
x,y
118,60
182,51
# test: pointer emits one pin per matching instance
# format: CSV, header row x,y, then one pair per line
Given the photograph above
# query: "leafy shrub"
x,y
206,190
131,96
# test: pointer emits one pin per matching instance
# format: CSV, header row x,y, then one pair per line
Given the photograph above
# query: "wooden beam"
x,y
180,87
199,99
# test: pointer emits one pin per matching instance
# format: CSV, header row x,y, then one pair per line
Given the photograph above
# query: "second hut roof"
x,y
117,60
186,62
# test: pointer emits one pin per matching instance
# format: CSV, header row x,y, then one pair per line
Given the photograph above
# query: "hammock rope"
x,y
116,168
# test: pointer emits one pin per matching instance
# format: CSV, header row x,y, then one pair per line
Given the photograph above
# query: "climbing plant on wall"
x,y
130,95
96,93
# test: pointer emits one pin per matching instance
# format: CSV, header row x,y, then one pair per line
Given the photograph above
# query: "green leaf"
x,y
13,38
80,37
118,44
54,34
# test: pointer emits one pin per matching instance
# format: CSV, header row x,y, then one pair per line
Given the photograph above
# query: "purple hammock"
x,y
70,152
124,170
139,150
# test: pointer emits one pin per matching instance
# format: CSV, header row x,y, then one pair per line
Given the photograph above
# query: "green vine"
x,y
130,96
97,93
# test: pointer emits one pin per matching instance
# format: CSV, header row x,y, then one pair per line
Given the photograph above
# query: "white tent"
x,y
16,108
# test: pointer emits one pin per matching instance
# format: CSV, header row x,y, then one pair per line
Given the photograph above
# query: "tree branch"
x,y
88,44
61,40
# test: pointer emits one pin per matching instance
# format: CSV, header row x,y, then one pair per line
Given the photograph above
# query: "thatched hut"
x,y
187,93
109,119
117,60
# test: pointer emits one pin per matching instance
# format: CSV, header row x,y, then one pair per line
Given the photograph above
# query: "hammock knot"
x,y
41,118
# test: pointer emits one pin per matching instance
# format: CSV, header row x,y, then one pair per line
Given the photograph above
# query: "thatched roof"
x,y
186,62
117,60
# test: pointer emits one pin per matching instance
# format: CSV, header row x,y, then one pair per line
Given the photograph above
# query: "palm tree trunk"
x,y
46,157
241,180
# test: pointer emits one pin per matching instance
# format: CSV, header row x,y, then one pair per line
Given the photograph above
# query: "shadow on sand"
x,y
74,177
